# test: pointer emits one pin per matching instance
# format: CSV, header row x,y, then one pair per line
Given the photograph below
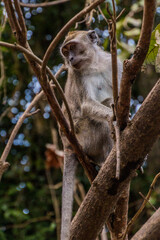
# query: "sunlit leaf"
x,y
132,32
153,55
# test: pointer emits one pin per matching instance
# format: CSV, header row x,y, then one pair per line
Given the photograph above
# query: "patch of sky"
x,y
26,211
27,105
25,1
28,22
22,102
3,133
158,10
98,31
140,99
100,17
46,115
14,110
28,15
39,10
20,56
22,185
105,33
131,42
93,19
138,107
24,160
26,169
26,9
29,34
119,51
16,118
48,37
34,12
47,108
56,68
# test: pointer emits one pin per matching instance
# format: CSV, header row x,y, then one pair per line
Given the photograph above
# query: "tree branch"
x,y
105,190
45,4
132,66
117,221
151,229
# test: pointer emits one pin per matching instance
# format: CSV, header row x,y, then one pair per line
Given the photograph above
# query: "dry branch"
x,y
105,190
132,66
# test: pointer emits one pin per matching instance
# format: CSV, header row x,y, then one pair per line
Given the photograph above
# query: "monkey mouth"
x,y
78,65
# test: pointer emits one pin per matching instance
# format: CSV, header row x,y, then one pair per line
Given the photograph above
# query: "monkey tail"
x,y
70,164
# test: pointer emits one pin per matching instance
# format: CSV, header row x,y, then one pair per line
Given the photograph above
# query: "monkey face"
x,y
78,48
75,54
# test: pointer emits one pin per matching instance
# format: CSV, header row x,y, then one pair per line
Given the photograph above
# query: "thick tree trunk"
x,y
136,141
151,229
117,221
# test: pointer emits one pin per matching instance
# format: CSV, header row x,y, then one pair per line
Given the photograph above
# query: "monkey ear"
x,y
93,36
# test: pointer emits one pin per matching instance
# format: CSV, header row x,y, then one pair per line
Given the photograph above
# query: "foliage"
x,y
153,55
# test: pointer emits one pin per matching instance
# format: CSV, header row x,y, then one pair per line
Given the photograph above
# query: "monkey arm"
x,y
96,110
70,164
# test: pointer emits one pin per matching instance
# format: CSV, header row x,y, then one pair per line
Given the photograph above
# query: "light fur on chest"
x,y
97,87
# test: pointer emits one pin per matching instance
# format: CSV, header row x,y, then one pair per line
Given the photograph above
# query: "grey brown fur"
x,y
88,91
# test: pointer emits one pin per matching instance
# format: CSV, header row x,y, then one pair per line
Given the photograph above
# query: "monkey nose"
x,y
71,59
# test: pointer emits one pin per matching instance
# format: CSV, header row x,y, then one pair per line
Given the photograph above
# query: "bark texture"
x,y
117,221
151,229
136,141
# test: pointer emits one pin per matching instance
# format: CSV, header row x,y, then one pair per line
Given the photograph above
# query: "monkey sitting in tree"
x,y
88,91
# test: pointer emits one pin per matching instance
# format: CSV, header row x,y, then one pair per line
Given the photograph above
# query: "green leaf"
x,y
153,55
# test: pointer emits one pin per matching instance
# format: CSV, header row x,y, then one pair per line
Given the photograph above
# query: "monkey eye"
x,y
72,47
65,53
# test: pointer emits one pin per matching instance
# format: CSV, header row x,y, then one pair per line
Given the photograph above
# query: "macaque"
x,y
88,91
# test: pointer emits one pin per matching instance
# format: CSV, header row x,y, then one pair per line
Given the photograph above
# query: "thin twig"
x,y
21,19
123,10
26,223
118,159
45,4
12,18
33,113
113,48
100,10
147,201
142,206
